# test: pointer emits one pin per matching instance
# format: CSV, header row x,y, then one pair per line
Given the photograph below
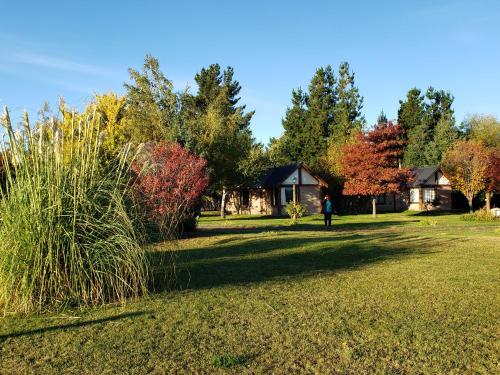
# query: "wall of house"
x,y
442,199
260,203
394,202
310,198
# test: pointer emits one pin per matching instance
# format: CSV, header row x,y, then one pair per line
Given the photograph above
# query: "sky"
x,y
74,49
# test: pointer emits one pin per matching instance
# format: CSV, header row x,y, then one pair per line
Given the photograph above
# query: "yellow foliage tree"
x,y
466,165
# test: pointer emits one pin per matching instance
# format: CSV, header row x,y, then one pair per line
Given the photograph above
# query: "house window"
x,y
288,194
429,195
414,196
245,198
381,199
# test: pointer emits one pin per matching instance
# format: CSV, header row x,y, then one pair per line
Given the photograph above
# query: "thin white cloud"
x,y
59,64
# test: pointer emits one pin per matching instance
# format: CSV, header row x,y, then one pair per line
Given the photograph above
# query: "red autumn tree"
x,y
371,165
170,180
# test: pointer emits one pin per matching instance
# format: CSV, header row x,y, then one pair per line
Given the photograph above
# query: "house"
x,y
430,190
276,188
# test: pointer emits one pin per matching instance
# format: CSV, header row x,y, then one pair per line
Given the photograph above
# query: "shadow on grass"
x,y
440,213
72,325
210,231
256,260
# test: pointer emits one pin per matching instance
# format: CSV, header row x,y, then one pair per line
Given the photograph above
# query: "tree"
x,y
167,188
370,165
466,165
152,104
382,118
296,138
113,111
484,128
428,126
348,119
492,176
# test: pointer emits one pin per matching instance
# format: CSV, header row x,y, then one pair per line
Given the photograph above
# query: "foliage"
x,y
216,128
428,125
326,117
481,215
168,188
295,211
371,164
65,234
493,171
465,166
484,128
151,105
113,111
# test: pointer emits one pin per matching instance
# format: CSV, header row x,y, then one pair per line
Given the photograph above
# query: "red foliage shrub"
x,y
169,182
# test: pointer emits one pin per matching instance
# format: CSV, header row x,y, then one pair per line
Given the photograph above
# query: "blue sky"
x,y
74,48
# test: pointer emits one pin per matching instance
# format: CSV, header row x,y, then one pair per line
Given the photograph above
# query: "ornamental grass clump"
x,y
65,235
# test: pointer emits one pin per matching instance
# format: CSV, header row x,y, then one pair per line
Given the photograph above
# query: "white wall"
x,y
307,179
442,180
289,179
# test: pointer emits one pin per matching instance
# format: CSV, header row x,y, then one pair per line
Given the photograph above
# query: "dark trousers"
x,y
328,219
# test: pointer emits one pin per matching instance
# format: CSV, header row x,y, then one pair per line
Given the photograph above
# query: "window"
x,y
288,194
414,196
381,199
429,195
245,198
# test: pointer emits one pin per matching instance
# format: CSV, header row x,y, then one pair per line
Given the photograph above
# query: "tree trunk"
x,y
223,203
374,206
488,201
469,199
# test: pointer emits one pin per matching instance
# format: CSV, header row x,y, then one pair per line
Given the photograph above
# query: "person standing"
x,y
327,211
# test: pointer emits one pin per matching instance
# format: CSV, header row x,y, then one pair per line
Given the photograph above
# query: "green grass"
x,y
255,295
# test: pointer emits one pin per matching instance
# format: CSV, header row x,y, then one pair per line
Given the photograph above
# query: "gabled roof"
x,y
422,176
275,176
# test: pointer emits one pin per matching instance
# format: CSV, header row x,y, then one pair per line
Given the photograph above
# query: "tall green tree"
x,y
296,138
428,126
151,104
382,118
347,119
216,127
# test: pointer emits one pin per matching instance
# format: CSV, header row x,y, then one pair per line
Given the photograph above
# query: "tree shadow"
x,y
440,213
210,231
265,259
72,325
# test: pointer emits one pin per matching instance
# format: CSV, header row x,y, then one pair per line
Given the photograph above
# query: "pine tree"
x,y
428,126
382,118
348,119
295,137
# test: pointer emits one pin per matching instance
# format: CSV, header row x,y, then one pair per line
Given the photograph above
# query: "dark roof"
x,y
275,176
422,175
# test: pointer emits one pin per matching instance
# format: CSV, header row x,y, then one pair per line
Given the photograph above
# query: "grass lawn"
x,y
403,293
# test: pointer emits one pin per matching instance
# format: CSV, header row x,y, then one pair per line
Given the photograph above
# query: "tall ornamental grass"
x,y
65,235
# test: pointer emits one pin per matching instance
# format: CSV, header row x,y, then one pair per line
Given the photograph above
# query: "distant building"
x,y
275,189
430,190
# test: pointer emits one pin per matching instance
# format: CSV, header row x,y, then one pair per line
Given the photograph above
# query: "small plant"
x,y
481,215
428,222
295,211
227,361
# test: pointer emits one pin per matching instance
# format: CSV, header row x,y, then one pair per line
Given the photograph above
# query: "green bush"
x,y
295,211
481,215
65,234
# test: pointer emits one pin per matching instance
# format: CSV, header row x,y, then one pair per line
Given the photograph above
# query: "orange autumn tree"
x,y
492,176
466,165
371,165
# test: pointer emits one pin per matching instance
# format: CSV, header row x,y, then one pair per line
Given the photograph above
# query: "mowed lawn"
x,y
402,293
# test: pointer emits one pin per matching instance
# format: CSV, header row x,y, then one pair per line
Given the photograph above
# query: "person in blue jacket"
x,y
327,211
